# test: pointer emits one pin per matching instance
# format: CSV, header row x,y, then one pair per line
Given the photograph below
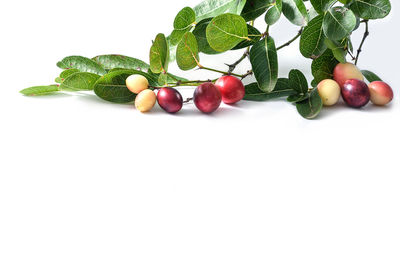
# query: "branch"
x,y
233,66
292,40
366,34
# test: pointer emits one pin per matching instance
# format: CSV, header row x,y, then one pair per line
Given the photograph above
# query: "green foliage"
x,y
159,53
312,43
79,81
40,90
226,31
310,107
339,22
82,64
109,62
274,12
370,76
217,26
264,60
282,89
371,9
295,11
187,53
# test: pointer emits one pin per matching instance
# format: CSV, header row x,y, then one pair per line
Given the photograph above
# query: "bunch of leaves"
x,y
216,26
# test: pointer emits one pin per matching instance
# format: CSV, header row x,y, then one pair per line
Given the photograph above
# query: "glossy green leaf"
x,y
254,36
371,9
159,54
226,31
338,49
274,12
112,86
40,90
201,36
322,67
321,5
183,23
64,74
83,64
213,8
370,76
295,11
119,61
255,8
79,81
282,89
298,82
187,53
312,43
310,107
339,22
264,60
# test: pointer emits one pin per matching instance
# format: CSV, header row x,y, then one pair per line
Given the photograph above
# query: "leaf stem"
x,y
219,71
366,34
291,40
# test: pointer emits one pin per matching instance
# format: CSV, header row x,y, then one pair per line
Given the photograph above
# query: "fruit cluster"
x,y
207,97
348,81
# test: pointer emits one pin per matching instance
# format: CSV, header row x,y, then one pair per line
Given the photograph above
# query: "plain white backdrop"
x,y
87,183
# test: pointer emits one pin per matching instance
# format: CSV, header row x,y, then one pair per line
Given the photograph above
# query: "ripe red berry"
x,y
170,99
355,93
207,97
231,88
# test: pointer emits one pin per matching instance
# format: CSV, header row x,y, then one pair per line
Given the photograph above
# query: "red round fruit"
x,y
381,93
207,97
170,99
355,93
231,88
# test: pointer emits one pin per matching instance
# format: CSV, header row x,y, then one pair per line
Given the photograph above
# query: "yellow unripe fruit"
x,y
329,91
145,100
137,83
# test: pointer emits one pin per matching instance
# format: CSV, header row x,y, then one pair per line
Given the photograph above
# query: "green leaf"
x,y
187,53
371,9
298,82
282,89
112,86
321,5
163,79
40,90
254,36
159,53
339,22
370,76
83,64
312,43
264,60
255,8
338,49
274,12
310,107
182,24
226,31
295,11
119,61
322,67
201,36
213,8
69,72
79,81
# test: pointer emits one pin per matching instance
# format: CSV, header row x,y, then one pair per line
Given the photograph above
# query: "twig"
x,y
233,66
366,34
292,40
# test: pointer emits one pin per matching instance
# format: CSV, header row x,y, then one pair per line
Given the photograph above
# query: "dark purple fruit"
x,y
170,99
355,93
207,97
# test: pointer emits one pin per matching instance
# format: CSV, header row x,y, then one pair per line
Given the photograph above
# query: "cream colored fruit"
x,y
145,100
137,83
329,91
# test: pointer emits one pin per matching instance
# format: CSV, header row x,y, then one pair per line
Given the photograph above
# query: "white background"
x,y
88,183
